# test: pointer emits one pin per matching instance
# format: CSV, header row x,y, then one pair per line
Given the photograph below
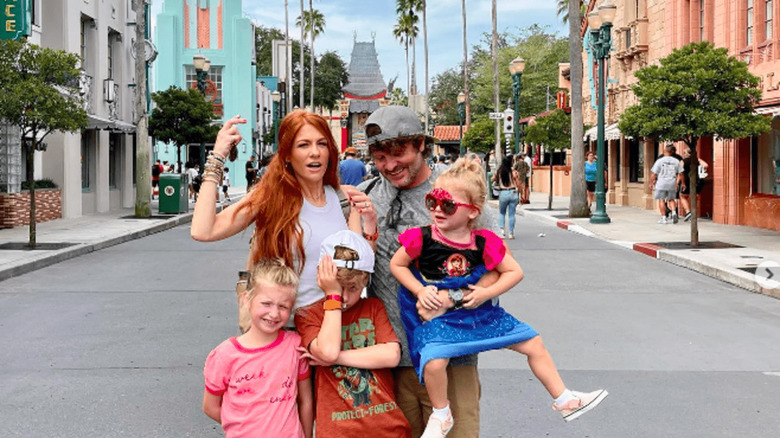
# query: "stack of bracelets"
x,y
212,170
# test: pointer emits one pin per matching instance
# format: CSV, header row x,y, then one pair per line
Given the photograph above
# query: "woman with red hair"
x,y
294,206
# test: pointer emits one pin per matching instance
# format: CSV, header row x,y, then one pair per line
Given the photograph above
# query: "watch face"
x,y
456,295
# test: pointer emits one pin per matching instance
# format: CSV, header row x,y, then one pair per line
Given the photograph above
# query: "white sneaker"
x,y
581,404
438,429
675,218
663,221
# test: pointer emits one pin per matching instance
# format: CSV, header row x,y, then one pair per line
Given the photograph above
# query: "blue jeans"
x,y
507,200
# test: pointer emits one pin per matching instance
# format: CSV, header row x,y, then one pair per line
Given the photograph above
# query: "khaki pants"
x,y
463,391
244,319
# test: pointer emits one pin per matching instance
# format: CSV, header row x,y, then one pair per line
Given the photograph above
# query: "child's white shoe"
x,y
438,429
583,402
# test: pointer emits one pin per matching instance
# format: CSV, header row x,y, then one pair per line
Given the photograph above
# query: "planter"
x,y
15,207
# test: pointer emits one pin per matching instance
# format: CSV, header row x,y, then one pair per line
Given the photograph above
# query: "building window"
x,y
85,161
749,24
702,36
215,75
636,161
768,20
83,43
113,159
110,54
765,161
34,13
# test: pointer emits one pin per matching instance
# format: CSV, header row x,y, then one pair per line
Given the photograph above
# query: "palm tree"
x,y
301,88
494,52
314,24
409,8
578,203
403,30
563,10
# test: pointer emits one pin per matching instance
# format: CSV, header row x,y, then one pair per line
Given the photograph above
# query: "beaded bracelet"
x,y
220,158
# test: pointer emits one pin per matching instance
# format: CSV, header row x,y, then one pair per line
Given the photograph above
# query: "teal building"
x,y
217,30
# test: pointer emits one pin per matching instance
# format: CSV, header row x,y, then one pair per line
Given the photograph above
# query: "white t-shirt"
x,y
317,224
530,163
191,174
226,180
666,168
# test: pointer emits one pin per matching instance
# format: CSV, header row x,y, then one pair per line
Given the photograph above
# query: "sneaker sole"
x,y
576,414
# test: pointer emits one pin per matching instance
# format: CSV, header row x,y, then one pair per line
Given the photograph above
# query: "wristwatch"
x,y
456,295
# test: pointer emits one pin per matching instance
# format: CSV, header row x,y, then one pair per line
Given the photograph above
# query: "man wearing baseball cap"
x,y
352,171
398,146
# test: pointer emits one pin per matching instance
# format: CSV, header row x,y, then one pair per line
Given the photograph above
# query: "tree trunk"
x,y
549,198
143,184
578,200
425,54
29,155
311,39
466,66
302,86
414,67
693,177
494,53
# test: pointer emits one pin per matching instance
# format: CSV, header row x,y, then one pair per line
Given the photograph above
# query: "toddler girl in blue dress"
x,y
442,262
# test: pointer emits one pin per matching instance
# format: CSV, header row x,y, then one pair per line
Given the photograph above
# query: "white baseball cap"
x,y
354,241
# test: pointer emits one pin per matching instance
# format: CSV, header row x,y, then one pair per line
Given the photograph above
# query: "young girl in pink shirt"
x,y
257,384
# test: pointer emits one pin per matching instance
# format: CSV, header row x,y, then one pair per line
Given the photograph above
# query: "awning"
x,y
96,122
611,132
772,111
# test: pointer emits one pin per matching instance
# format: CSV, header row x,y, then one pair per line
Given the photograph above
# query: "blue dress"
x,y
463,331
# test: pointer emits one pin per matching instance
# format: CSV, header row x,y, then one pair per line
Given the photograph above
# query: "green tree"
x,y
553,132
444,96
541,51
182,117
405,30
397,97
39,96
331,77
564,10
481,136
696,91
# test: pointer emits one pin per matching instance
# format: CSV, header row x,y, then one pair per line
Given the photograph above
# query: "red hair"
x,y
277,200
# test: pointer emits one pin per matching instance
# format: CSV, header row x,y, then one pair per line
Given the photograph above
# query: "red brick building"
x,y
744,173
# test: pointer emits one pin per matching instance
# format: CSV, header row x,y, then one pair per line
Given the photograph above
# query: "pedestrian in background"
x,y
352,343
225,185
685,188
157,169
352,171
398,146
665,174
528,177
508,181
250,173
521,167
192,174
293,207
245,372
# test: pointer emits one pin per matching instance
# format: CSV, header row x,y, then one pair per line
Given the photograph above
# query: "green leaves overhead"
x,y
551,131
696,91
182,117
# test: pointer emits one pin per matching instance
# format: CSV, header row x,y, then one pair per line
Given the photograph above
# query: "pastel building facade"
x,y
744,181
217,30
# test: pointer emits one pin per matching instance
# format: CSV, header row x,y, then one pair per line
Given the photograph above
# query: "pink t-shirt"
x,y
259,387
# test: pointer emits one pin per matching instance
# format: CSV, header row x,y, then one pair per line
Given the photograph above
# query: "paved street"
x,y
112,344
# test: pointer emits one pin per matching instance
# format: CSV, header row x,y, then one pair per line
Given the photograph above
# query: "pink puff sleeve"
x,y
495,250
412,240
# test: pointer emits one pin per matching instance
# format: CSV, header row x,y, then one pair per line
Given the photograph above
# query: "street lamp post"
x,y
276,96
461,114
516,68
433,123
201,64
600,24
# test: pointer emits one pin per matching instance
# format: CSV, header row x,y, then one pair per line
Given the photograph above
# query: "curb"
x,y
739,279
86,248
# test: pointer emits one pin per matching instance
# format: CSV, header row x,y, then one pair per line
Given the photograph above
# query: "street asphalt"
x,y
112,343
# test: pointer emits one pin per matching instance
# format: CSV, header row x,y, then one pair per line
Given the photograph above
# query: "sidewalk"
x,y
746,257
82,235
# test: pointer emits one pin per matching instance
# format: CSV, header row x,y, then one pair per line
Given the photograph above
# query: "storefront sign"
x,y
15,19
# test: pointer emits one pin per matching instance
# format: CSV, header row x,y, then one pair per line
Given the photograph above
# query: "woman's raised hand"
x,y
228,137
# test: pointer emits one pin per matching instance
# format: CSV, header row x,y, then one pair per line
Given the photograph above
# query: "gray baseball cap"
x,y
393,121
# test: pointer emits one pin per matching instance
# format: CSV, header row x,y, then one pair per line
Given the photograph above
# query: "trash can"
x,y
173,193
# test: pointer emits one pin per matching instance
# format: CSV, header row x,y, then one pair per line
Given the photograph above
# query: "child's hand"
x,y
429,297
312,360
477,296
326,276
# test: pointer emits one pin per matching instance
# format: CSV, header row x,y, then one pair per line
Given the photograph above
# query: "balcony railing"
x,y
85,90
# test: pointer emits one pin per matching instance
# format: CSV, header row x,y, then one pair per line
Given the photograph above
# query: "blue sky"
x,y
445,43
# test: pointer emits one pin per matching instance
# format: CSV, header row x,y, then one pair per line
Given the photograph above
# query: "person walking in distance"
x,y
665,174
508,181
352,171
449,256
251,172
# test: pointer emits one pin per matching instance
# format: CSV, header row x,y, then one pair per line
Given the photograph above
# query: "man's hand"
x,y
428,296
476,297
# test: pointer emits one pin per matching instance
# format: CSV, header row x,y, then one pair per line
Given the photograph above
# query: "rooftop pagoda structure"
x,y
364,93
